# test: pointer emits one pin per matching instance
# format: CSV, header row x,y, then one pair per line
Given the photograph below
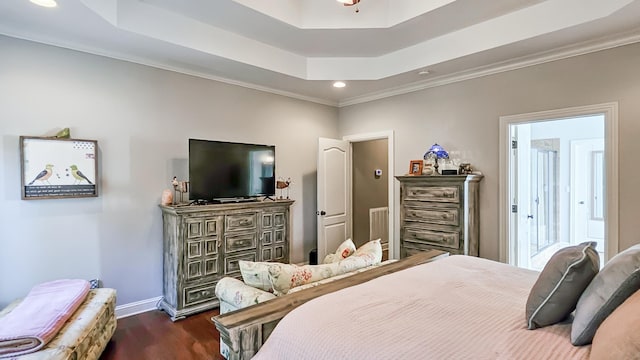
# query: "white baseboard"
x,y
130,309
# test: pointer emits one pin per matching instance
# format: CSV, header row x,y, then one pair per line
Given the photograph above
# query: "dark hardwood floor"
x,y
152,335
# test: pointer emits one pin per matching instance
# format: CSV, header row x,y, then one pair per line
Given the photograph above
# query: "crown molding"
x,y
163,66
565,52
496,68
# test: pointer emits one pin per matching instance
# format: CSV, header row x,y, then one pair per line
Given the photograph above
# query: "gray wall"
x,y
463,117
369,191
142,118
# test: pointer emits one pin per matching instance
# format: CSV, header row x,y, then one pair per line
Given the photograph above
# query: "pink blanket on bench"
x,y
39,317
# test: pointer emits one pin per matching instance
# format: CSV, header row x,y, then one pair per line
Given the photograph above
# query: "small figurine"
x,y
63,134
283,184
175,183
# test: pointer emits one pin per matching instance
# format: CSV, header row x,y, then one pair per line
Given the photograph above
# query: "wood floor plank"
x,y
152,335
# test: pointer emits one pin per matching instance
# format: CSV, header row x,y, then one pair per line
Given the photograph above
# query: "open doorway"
x,y
370,195
336,208
559,183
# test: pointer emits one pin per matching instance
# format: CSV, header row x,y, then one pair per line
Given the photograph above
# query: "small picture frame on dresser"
x,y
415,167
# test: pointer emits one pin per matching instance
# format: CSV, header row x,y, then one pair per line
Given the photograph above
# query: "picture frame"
x,y
53,168
415,167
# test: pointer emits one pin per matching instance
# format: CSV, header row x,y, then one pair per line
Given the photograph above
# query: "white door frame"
x,y
394,245
521,181
610,111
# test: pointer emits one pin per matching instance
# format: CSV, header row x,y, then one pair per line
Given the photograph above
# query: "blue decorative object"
x,y
436,152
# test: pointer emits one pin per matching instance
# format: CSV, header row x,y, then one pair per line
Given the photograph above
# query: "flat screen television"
x,y
221,171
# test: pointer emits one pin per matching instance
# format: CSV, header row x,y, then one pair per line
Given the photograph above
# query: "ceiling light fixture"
x,y
339,84
45,3
350,3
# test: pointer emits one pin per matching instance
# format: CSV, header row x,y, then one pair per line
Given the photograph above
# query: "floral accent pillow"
x,y
346,249
372,249
256,274
286,276
366,255
238,295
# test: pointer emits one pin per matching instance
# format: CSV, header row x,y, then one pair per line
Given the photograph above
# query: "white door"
x,y
334,195
588,203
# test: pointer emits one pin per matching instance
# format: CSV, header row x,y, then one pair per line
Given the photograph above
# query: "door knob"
x,y
581,202
322,213
529,216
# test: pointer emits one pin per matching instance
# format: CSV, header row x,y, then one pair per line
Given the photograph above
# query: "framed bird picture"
x,y
54,168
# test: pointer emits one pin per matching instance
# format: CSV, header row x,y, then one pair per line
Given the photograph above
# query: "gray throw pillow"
x,y
619,278
559,286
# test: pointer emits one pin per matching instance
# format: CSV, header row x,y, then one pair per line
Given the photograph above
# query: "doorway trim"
x,y
610,111
394,246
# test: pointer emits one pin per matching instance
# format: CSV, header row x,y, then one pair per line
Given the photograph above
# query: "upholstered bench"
x,y
86,333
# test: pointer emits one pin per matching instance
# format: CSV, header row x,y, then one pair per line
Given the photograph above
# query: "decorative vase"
x,y
167,197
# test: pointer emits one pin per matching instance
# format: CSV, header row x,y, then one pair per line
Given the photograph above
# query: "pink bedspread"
x,y
457,308
39,317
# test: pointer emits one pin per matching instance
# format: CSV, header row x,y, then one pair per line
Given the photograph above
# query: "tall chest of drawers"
x,y
204,243
439,212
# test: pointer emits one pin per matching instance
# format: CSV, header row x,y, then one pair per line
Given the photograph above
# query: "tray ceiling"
x,y
298,47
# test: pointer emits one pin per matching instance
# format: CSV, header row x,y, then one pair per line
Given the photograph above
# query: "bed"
x,y
457,307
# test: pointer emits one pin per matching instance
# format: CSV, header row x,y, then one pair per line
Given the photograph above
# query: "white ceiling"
x,y
298,47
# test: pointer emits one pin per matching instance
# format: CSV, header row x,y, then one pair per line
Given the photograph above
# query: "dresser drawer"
x,y
440,238
238,242
449,194
244,221
441,216
231,265
199,294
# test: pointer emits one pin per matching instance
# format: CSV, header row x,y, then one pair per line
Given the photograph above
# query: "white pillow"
x,y
367,255
256,274
346,249
371,250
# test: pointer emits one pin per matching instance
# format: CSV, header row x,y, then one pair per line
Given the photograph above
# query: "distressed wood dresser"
x,y
204,243
439,212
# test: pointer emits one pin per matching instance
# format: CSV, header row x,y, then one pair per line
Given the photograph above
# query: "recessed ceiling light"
x,y
339,84
349,2
424,72
45,3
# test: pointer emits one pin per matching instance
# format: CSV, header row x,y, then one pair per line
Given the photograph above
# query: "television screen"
x,y
222,170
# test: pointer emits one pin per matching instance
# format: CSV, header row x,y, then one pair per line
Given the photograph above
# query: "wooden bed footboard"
x,y
244,331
